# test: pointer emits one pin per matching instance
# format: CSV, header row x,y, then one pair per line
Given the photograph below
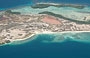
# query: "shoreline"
x,y
63,32
17,40
46,32
24,38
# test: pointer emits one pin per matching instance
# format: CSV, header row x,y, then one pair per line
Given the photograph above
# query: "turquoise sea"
x,y
40,49
47,45
4,4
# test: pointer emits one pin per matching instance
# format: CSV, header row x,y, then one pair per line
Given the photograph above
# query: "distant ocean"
x,y
14,3
38,49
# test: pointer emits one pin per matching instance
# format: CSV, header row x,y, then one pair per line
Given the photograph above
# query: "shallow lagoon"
x,y
69,12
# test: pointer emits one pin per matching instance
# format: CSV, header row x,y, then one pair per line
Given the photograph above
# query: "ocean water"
x,y
43,46
38,49
14,3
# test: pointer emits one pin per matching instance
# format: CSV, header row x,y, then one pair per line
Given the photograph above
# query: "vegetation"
x,y
60,16
57,5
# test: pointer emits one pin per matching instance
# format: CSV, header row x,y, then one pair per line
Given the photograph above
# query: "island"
x,y
15,26
45,5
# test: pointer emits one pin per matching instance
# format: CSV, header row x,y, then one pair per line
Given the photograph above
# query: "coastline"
x,y
46,32
63,32
24,38
18,40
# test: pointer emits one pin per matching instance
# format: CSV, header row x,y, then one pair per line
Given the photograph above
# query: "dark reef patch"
x,y
57,5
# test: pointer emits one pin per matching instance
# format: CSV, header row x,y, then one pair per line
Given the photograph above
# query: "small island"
x,y
45,5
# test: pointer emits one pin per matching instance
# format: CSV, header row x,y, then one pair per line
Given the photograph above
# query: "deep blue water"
x,y
14,3
38,49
